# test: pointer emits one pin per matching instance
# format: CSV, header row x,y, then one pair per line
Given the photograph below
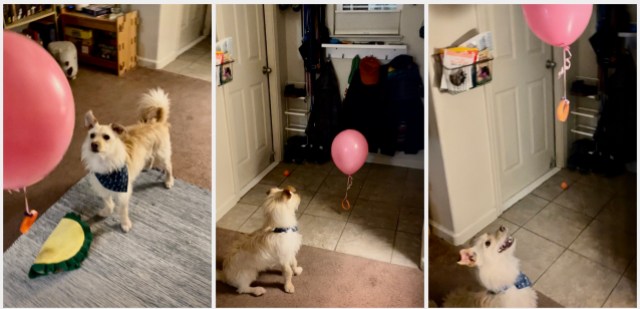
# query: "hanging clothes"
x,y
363,106
389,112
404,108
324,121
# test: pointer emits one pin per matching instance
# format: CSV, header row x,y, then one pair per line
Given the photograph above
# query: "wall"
x,y
464,201
165,32
148,34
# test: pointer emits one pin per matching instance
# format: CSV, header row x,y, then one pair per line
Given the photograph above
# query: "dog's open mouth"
x,y
506,244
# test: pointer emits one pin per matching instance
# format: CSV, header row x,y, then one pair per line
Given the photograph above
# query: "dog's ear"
x,y
286,193
467,257
90,120
118,128
272,191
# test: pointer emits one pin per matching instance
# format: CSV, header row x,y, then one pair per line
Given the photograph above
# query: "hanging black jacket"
x,y
404,108
324,121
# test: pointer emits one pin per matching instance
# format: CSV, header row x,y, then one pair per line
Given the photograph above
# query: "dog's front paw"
x,y
169,183
288,287
297,270
105,212
259,291
126,225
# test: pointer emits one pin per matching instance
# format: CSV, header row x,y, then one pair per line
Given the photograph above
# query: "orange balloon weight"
x,y
28,221
562,111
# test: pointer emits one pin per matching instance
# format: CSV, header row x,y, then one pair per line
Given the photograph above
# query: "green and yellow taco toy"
x,y
65,249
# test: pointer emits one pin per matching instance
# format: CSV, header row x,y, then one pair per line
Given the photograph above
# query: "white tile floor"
x,y
195,62
384,223
578,245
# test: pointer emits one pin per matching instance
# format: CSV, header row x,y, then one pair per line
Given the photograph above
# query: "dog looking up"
x,y
274,245
498,271
115,155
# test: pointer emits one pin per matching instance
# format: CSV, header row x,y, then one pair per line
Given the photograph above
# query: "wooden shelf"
x,y
31,18
126,29
84,20
109,64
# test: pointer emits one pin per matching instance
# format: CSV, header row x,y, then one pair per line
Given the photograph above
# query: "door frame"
x,y
275,96
560,130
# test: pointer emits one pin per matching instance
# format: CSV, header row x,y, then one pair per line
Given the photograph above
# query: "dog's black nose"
x,y
94,147
502,228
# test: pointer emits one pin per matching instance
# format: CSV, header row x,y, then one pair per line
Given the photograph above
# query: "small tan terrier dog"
x,y
115,155
273,246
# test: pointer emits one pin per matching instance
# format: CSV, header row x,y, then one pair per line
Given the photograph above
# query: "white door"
x,y
520,99
247,95
192,23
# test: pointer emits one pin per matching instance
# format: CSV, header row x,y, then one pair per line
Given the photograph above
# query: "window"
x,y
364,20
369,7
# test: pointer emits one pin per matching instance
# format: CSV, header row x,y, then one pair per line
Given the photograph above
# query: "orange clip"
x,y
29,219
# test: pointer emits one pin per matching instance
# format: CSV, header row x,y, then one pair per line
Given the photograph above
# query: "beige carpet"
x,y
329,279
113,99
445,274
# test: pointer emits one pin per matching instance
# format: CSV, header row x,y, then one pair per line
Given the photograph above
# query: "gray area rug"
x,y
164,261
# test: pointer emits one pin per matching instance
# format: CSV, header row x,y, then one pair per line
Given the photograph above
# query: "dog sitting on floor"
x,y
498,271
274,245
115,155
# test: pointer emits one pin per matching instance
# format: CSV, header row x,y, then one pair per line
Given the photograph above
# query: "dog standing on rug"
x,y
274,245
498,271
115,155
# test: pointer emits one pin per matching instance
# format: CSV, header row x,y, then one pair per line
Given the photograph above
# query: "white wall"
x,y
460,178
148,34
164,32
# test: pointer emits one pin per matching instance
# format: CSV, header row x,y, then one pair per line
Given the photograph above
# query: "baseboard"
x,y
161,63
399,159
223,209
147,63
466,234
528,189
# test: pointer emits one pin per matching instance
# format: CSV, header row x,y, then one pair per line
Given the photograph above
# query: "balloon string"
x,y
345,202
566,65
27,212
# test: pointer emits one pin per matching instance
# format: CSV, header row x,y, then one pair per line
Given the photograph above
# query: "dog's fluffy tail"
x,y
154,106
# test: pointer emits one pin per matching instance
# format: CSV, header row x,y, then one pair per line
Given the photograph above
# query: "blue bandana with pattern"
x,y
285,229
116,181
522,281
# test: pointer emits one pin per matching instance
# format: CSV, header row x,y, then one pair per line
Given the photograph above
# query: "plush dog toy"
x,y
66,55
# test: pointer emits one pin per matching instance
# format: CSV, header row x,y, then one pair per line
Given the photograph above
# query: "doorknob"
x,y
266,70
550,64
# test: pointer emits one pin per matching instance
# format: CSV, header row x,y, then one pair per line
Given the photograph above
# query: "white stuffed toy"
x,y
67,56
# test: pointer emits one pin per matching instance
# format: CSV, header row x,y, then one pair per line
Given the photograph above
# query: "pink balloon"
x,y
557,24
349,151
38,112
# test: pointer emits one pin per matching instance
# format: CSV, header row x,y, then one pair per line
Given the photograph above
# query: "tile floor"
x,y
195,62
578,245
384,223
